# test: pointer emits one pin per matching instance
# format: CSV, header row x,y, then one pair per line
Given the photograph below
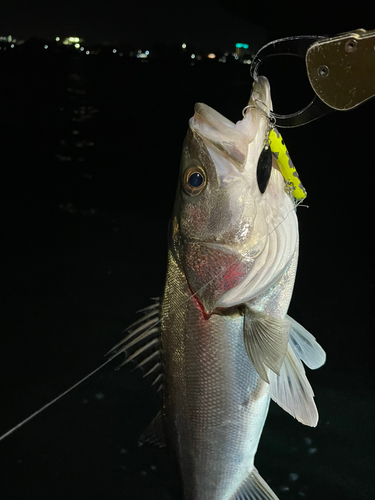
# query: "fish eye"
x,y
264,168
194,180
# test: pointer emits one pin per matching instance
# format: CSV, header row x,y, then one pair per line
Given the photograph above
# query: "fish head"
x,y
225,233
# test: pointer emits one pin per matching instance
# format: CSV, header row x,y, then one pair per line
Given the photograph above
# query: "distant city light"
x,y
247,61
183,45
142,55
211,56
57,39
77,45
46,46
82,49
147,52
114,51
223,59
12,45
192,56
73,40
87,52
242,45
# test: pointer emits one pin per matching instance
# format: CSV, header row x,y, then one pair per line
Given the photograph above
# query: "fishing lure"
x,y
285,164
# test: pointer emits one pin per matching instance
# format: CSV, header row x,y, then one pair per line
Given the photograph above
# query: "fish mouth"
x,y
236,265
233,139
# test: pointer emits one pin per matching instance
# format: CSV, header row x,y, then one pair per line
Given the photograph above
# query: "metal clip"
x,y
341,71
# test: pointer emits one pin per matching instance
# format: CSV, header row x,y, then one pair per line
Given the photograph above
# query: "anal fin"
x,y
254,487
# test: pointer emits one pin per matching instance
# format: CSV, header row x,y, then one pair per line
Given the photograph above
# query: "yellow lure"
x,y
285,164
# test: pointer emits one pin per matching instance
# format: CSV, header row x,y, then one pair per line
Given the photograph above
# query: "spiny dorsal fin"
x,y
254,488
266,341
142,343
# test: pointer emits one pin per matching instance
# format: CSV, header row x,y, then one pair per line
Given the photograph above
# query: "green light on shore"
x,y
242,45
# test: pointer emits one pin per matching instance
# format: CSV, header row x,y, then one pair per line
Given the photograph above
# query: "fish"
x,y
219,344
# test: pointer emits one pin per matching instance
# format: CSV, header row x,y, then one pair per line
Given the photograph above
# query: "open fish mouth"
x,y
237,238
232,140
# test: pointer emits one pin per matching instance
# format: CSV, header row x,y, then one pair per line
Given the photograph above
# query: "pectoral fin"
x,y
266,341
254,488
292,391
305,347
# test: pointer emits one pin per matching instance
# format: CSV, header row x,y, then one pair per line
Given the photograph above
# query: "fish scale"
x,y
217,398
227,345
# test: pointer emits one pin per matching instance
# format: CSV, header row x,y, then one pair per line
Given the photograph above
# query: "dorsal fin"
x,y
142,343
154,434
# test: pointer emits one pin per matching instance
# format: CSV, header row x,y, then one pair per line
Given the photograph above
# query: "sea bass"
x,y
220,342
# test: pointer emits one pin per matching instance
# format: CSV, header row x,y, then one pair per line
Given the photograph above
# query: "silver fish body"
x,y
226,345
215,402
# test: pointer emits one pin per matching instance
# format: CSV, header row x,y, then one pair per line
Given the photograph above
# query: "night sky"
x,y
206,22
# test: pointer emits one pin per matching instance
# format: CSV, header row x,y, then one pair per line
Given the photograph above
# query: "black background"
x,y
84,247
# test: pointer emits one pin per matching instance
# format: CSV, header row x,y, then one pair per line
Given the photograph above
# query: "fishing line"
x,y
115,354
53,401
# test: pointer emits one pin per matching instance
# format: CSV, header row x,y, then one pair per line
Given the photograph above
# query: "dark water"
x,y
90,152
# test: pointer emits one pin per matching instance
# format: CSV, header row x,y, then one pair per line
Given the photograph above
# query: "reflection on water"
x,y
77,110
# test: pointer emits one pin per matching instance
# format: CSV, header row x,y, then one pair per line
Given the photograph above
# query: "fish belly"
x,y
215,404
